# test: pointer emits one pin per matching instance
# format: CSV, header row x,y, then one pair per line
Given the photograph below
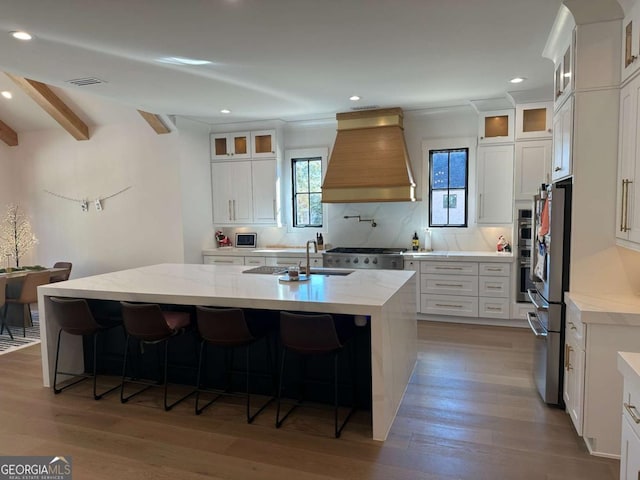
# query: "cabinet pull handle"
x,y
573,326
567,357
454,285
494,308
622,195
274,208
632,409
494,269
494,287
480,206
230,210
448,305
234,209
626,206
448,268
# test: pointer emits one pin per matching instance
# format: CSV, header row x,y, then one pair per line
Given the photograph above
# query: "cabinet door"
x,y
562,141
231,192
255,261
495,184
564,80
574,383
533,120
227,146
532,167
630,41
630,453
626,156
496,127
265,204
263,144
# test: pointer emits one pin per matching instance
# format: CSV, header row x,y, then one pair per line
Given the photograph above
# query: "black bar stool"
x,y
150,325
313,334
227,328
75,318
3,306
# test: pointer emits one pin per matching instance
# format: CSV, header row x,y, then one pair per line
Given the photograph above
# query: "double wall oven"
x,y
523,253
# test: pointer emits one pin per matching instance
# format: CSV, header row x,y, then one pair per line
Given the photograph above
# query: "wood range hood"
x,y
369,161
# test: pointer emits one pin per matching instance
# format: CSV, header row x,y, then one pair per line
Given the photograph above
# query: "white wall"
x,y
140,226
195,186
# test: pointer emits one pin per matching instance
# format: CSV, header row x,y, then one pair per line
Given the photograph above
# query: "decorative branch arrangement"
x,y
16,237
84,203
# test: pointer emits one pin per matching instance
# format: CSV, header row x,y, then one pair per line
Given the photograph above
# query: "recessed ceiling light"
x,y
6,94
183,61
354,98
225,110
21,35
517,80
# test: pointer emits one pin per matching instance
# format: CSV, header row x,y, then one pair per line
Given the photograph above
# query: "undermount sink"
x,y
273,270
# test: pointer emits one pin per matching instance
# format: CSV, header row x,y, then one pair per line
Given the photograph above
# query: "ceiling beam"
x,y
54,106
8,135
155,122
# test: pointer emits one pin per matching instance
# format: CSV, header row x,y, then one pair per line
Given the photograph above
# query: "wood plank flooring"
x,y
470,412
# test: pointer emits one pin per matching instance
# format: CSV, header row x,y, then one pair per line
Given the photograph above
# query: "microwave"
x,y
246,240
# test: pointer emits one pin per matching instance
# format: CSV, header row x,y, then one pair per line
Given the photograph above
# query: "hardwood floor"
x,y
471,412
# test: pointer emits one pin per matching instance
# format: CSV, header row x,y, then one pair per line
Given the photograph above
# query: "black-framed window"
x,y
306,186
448,187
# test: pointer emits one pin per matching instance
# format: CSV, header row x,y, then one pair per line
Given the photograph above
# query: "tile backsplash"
x,y
395,224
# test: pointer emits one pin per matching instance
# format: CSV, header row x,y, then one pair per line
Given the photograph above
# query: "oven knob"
x,y
329,260
355,260
347,261
366,260
375,261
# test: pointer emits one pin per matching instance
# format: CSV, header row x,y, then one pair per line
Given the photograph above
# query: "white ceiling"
x,y
274,59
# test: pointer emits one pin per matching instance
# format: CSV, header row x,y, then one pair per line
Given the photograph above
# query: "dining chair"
x,y
61,276
29,295
3,306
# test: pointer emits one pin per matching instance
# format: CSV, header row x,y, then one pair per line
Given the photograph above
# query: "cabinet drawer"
x,y
223,260
631,405
574,328
495,269
493,307
449,305
255,261
450,268
494,287
449,284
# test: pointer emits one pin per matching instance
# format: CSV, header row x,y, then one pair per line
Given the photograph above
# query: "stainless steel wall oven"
x,y
523,252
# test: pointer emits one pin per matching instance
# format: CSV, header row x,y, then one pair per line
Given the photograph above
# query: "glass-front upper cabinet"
x,y
631,41
534,120
496,127
564,80
229,146
263,143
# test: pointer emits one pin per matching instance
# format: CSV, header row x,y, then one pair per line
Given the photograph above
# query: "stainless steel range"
x,y
372,258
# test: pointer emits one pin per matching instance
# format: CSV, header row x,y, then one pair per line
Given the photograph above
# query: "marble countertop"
x,y
196,284
451,255
614,309
629,365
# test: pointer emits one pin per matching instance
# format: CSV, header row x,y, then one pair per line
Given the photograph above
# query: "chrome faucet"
x,y
315,250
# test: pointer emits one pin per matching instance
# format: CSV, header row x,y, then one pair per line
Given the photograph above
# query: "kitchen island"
x,y
385,298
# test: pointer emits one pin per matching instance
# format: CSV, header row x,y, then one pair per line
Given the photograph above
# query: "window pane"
x,y
315,175
315,209
448,188
302,210
302,177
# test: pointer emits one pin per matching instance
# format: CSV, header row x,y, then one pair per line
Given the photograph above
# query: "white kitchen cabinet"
x,y
564,80
534,120
265,199
490,307
495,184
628,202
263,144
232,195
533,161
496,127
562,141
228,146
291,261
593,388
574,364
630,41
630,452
255,261
223,260
466,285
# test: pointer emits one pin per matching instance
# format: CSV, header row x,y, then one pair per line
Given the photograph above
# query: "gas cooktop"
x,y
370,251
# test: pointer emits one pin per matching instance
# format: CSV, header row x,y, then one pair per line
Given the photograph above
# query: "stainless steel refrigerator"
x,y
550,275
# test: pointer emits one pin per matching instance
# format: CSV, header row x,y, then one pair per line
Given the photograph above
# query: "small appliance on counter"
x,y
246,240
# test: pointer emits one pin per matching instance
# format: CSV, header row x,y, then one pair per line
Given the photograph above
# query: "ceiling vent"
x,y
83,82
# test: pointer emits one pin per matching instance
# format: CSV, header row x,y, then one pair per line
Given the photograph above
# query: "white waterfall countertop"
x,y
606,308
385,298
